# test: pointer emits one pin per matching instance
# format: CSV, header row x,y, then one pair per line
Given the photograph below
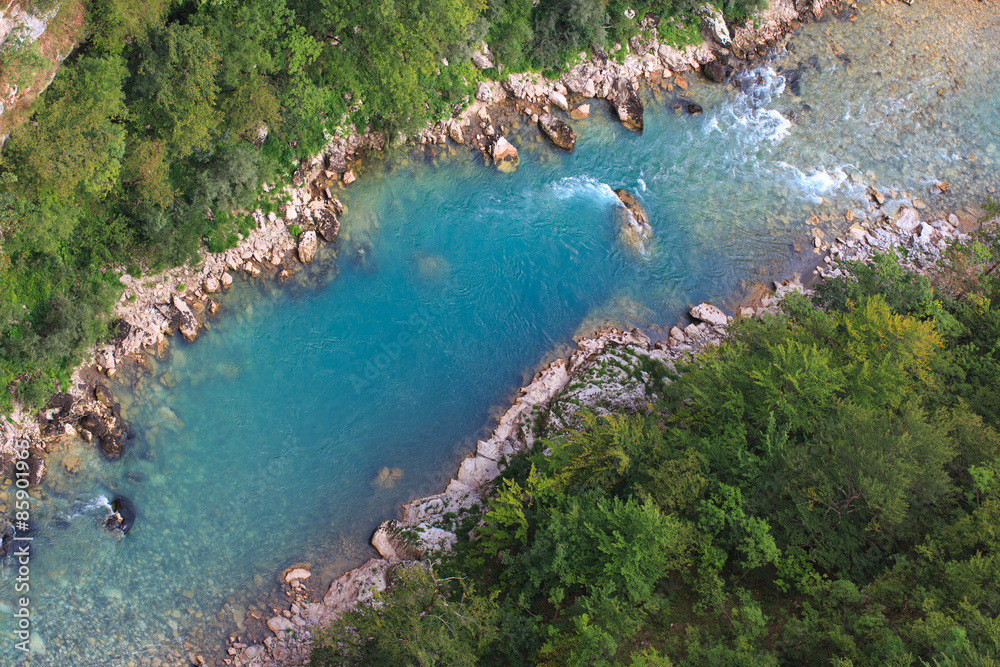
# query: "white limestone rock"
x,y
706,312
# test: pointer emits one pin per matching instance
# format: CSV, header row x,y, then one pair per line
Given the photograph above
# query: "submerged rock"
x,y
633,223
580,112
505,156
104,396
627,105
122,515
558,132
387,478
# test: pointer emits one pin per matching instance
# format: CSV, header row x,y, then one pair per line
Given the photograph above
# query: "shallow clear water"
x,y
259,446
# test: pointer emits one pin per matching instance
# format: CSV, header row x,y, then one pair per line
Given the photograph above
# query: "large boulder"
x,y
483,92
715,71
906,219
706,312
558,132
104,396
112,446
36,469
187,323
122,515
559,100
481,60
307,246
505,156
95,424
633,223
627,104
327,223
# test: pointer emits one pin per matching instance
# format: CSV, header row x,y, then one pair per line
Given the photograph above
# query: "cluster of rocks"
x,y
93,415
889,226
602,76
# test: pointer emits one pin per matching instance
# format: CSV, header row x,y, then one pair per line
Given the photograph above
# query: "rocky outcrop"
x,y
187,323
357,585
505,156
558,132
634,229
627,105
714,24
393,544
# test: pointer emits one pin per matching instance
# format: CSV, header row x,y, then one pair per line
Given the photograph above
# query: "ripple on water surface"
x,y
261,445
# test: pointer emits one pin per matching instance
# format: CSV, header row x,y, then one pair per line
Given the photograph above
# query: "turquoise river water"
x,y
259,446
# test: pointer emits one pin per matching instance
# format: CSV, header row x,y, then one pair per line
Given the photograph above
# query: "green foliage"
x,y
77,141
992,209
419,621
173,91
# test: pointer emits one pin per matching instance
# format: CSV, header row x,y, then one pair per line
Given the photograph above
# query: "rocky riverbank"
x,y
155,306
607,373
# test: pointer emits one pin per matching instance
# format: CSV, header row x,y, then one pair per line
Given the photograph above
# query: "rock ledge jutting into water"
x,y
627,105
505,156
558,132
